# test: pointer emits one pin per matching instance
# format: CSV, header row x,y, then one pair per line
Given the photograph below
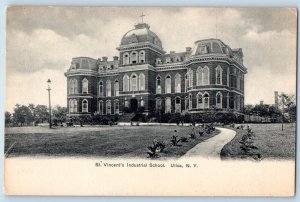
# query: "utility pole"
x,y
49,89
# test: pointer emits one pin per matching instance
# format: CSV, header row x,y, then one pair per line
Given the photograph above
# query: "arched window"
x,y
168,84
85,106
108,107
177,83
190,101
125,58
142,102
206,100
133,82
177,105
141,81
219,75
108,88
168,105
85,86
228,76
100,107
186,82
158,104
200,101
72,86
125,83
205,76
71,106
116,88
199,76
142,56
116,107
219,100
186,103
133,57
101,89
158,85
190,78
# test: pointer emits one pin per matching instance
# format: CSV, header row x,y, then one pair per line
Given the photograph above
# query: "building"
x,y
207,77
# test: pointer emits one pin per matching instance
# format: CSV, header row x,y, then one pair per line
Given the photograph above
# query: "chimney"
x,y
261,102
171,52
104,59
276,98
116,58
99,59
188,49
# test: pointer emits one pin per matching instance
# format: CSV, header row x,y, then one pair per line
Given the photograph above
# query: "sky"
x,y
41,41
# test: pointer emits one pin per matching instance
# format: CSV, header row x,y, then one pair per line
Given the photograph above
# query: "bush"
x,y
175,140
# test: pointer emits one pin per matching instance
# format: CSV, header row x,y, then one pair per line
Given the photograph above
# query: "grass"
x,y
116,141
270,140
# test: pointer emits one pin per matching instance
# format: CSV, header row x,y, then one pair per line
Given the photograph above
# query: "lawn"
x,y
106,141
270,140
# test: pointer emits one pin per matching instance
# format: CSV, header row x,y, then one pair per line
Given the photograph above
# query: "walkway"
x,y
211,148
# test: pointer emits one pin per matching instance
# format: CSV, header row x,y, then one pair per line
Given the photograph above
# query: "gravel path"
x,y
211,148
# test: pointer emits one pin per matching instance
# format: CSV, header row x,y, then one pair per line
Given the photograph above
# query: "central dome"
x,y
140,34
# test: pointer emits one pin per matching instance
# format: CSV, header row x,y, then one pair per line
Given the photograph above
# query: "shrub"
x,y
152,150
161,145
192,136
183,139
175,140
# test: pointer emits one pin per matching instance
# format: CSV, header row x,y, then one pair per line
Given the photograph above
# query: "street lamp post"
x,y
49,89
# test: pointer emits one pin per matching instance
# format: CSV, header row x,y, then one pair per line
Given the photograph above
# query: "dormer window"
x,y
158,61
203,49
177,59
168,60
100,68
73,66
109,68
142,56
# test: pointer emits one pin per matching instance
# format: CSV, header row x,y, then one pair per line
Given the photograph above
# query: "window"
x,y
203,49
125,59
85,106
108,88
108,107
72,105
85,86
168,105
199,76
168,84
73,86
142,102
141,56
101,89
190,78
219,75
177,105
199,101
190,101
116,88
186,104
177,59
168,60
206,100
219,100
133,83
186,83
158,85
100,107
177,83
205,75
228,76
125,82
158,61
141,81
116,107
158,104
133,57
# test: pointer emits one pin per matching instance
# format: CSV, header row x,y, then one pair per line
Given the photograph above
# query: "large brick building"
x,y
206,77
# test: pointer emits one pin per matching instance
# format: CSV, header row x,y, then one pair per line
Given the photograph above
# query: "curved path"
x,y
211,148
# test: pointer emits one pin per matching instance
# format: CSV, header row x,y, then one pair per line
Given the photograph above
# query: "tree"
x,y
22,115
59,113
8,118
41,113
287,102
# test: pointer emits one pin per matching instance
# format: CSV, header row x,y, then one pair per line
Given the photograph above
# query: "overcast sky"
x,y
41,42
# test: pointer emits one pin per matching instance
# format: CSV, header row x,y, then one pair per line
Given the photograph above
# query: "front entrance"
x,y
133,105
